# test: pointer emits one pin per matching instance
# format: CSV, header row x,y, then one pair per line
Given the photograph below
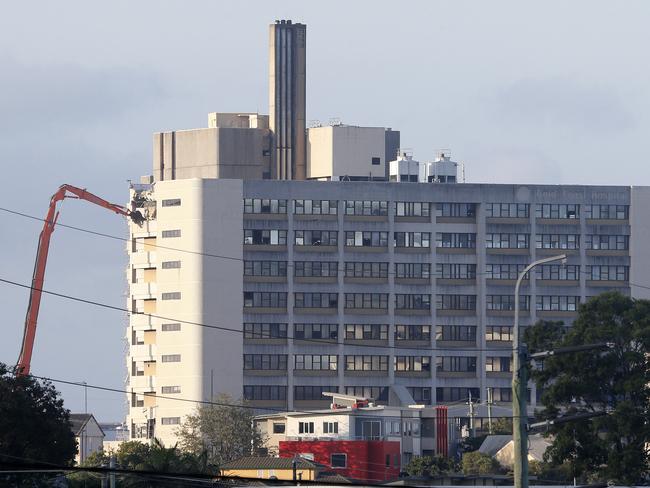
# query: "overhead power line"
x,y
240,331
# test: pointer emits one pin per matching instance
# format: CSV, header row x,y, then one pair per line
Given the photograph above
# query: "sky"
x,y
549,92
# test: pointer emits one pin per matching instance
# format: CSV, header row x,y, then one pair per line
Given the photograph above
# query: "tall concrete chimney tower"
x,y
287,102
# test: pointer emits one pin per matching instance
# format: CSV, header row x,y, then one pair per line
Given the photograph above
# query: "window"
x,y
379,393
457,333
607,243
557,241
265,361
412,209
366,363
569,272
330,427
168,390
557,211
171,327
315,207
455,240
504,271
366,238
264,206
498,364
273,237
412,239
316,237
305,427
559,303
412,363
339,460
506,302
607,273
507,210
501,394
607,212
369,332
172,202
414,301
278,428
170,420
312,392
316,331
174,295
507,241
171,264
456,271
455,302
412,270
265,268
456,364
355,269
457,394
366,300
266,299
171,233
421,395
171,358
498,333
311,269
265,330
412,332
316,300
315,362
375,160
366,207
456,210
320,269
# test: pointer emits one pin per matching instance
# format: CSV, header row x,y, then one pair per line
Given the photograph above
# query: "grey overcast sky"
x,y
522,92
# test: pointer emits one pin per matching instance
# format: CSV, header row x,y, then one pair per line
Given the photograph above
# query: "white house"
x,y
88,434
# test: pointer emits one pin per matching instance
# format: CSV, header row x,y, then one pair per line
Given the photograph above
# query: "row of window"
x,y
422,209
356,269
459,240
364,362
406,301
378,393
375,332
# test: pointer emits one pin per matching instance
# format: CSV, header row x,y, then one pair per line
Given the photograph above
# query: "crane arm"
x,y
31,318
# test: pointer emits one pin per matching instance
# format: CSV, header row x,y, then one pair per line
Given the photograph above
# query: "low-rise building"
x,y
261,467
88,434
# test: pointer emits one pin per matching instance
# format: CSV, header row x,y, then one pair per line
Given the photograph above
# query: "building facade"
x,y
279,290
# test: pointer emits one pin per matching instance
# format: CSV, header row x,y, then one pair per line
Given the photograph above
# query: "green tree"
x,y
478,463
34,425
612,447
502,426
225,431
425,466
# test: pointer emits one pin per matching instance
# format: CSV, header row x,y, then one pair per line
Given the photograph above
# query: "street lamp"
x,y
519,383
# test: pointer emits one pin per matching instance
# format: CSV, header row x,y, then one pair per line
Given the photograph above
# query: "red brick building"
x,y
367,460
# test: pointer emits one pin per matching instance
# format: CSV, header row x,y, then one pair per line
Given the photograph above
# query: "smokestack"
x,y
287,101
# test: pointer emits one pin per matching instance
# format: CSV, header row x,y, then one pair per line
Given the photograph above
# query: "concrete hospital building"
x,y
279,262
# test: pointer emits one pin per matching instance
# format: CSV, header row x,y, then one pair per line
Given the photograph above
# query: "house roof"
x,y
494,443
78,422
263,462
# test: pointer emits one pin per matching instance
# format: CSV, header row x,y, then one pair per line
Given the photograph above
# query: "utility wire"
x,y
233,258
239,331
211,403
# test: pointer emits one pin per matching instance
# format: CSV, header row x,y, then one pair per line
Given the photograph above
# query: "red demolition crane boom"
x,y
65,191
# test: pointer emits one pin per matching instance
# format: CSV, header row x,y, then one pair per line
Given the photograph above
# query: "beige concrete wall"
x,y
209,218
219,152
341,150
639,238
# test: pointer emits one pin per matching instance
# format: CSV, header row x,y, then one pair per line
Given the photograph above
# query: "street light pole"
x,y
519,383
